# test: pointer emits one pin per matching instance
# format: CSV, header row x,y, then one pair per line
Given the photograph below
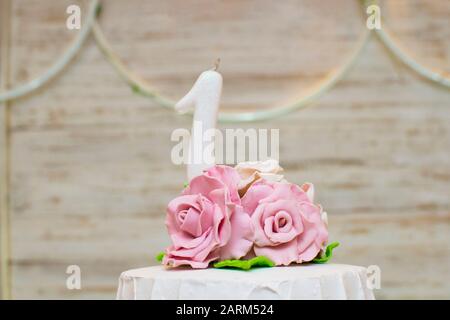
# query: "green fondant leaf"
x,y
257,262
160,256
328,253
186,184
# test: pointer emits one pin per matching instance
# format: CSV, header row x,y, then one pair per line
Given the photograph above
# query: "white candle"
x,y
204,99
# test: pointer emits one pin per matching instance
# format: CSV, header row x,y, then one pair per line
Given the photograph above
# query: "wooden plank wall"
x,y
90,167
5,267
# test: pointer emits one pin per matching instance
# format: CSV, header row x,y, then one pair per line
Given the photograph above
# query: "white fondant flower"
x,y
324,217
252,171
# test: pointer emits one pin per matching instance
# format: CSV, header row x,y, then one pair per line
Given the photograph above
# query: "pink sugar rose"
x,y
207,221
288,225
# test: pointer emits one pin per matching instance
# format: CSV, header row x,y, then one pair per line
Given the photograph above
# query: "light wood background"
x,y
90,172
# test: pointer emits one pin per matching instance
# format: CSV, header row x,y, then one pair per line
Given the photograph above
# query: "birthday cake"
x,y
243,232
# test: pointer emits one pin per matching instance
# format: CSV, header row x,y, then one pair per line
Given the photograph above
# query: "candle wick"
x,y
216,64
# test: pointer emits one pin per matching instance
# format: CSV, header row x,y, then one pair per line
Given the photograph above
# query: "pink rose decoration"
x,y
207,221
288,225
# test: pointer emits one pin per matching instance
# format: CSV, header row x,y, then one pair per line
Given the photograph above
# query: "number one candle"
x,y
204,100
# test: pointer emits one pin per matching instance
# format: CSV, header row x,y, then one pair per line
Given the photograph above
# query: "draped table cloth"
x,y
307,281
